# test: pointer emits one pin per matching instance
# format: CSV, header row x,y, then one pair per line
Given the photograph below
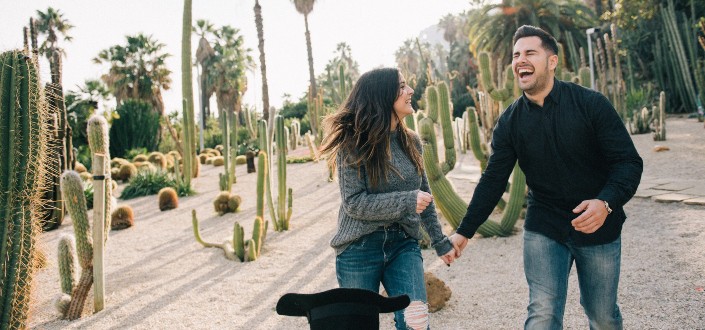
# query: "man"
x,y
581,168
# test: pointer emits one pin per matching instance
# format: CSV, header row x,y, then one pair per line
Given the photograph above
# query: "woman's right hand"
x,y
423,199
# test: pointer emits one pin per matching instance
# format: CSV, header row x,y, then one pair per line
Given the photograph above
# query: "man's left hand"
x,y
592,218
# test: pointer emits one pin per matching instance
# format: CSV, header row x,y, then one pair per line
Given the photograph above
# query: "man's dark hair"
x,y
548,42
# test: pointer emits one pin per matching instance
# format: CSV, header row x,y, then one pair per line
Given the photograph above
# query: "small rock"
x,y
438,293
661,148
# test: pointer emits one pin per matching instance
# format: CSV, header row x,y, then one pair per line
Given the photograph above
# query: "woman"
x,y
385,194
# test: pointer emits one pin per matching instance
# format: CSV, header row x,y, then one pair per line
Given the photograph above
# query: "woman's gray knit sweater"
x,y
363,210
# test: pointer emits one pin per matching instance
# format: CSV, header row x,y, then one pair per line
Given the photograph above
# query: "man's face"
x,y
532,64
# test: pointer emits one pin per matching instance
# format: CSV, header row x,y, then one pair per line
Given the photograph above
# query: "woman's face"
x,y
402,106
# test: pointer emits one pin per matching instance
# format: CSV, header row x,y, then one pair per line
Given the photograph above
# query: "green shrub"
x,y
88,192
84,156
137,126
147,183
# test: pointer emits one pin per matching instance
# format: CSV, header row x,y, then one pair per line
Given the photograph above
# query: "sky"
x,y
374,29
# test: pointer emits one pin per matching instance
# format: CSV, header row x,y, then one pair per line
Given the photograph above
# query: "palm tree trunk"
x,y
263,65
312,78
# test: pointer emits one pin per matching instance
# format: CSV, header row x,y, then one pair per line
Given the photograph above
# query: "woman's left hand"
x,y
449,257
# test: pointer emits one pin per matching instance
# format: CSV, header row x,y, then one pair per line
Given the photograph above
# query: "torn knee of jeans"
x,y
416,315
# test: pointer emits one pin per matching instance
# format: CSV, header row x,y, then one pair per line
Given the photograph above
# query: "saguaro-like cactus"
x,y
452,206
23,178
503,95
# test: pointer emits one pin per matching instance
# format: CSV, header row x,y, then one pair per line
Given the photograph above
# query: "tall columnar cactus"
x,y
660,125
294,134
680,64
99,143
189,136
225,178
432,102
453,207
281,222
315,111
72,192
445,117
234,127
71,303
262,174
23,178
237,248
477,145
410,121
340,92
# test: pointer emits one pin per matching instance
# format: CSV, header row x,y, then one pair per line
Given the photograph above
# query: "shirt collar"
x,y
553,95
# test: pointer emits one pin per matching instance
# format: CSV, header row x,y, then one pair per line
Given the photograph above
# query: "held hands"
x,y
459,242
592,218
423,199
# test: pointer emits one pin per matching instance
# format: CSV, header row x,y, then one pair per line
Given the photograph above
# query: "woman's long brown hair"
x,y
360,128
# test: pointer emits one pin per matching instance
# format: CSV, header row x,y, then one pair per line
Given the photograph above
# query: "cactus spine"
x,y
23,178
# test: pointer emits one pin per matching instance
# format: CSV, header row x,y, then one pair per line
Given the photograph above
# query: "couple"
x,y
581,167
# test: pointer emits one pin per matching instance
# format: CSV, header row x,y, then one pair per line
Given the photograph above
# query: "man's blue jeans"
x,y
389,256
547,264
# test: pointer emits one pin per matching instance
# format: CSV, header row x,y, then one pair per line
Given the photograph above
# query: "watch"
x,y
607,206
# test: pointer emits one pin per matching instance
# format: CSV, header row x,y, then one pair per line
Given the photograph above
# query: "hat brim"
x,y
298,304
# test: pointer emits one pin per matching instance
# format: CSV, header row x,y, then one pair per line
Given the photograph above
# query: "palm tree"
x,y
81,104
407,58
227,68
204,52
492,27
263,65
50,23
137,70
305,7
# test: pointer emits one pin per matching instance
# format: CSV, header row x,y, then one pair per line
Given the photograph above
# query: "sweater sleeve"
x,y
429,220
359,204
429,217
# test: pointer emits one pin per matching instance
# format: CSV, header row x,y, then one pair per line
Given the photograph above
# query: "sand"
x,y
159,277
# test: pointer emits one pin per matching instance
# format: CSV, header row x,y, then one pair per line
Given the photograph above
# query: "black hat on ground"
x,y
341,308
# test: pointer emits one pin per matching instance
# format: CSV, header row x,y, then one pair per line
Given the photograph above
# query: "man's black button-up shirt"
x,y
574,148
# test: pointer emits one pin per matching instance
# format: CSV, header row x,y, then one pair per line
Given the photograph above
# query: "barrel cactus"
x,y
23,179
168,199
